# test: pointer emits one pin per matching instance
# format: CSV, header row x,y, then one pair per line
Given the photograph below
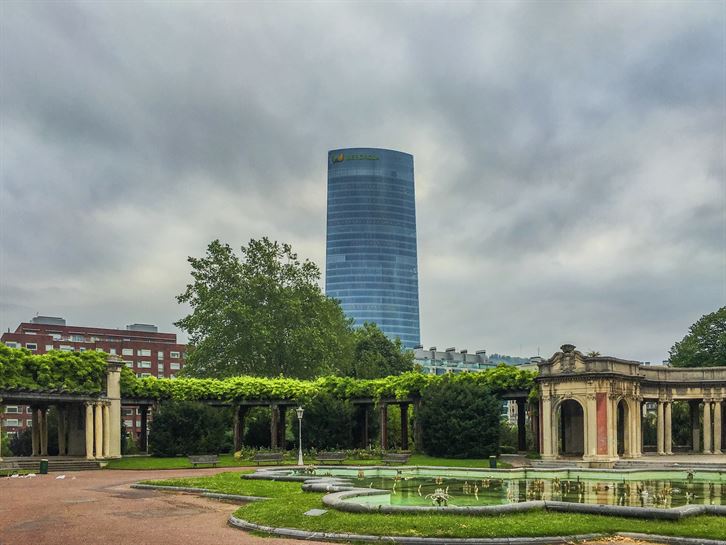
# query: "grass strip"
x,y
227,460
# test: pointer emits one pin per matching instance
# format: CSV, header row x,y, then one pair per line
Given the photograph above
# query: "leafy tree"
x,y
5,445
263,314
705,343
377,356
460,419
187,427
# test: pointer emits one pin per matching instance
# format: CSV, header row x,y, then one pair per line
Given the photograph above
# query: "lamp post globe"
x,y
299,412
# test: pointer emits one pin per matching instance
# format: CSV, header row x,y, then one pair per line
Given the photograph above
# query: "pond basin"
x,y
453,487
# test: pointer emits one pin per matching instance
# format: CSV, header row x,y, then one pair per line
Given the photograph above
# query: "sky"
x,y
570,157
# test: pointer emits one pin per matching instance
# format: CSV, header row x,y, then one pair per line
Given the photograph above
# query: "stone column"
x,y
717,427
668,428
521,425
612,419
43,414
384,426
35,432
404,426
638,423
707,426
98,429
61,431
695,426
113,395
89,430
546,423
106,430
591,425
660,427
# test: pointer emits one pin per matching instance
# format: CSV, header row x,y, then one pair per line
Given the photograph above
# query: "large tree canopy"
x,y
705,344
262,314
376,356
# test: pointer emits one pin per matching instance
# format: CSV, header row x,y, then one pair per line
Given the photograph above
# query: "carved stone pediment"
x,y
568,361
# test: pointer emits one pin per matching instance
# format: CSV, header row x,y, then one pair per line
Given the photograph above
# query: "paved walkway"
x,y
99,508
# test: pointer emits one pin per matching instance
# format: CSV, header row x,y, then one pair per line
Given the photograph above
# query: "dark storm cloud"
x,y
569,156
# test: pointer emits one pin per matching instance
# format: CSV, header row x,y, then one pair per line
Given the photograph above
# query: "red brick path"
x,y
99,508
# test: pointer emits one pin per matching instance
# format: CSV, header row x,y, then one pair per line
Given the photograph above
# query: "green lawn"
x,y
290,502
227,460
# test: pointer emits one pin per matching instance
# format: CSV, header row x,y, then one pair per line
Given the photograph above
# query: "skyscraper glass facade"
x,y
371,262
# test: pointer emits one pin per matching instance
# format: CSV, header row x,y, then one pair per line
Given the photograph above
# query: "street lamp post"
x,y
299,411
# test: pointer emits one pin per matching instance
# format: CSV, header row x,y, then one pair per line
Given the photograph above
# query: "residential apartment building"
x,y
144,350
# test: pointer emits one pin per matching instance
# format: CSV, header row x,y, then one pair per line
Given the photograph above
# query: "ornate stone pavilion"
x,y
592,407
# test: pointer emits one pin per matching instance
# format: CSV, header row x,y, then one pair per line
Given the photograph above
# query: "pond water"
x,y
471,490
422,491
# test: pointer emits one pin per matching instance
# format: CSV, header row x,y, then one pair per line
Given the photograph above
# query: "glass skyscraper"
x,y
371,263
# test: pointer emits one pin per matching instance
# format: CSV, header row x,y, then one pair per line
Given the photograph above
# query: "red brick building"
x,y
146,351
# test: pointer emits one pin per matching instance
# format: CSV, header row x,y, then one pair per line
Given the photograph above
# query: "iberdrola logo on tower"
x,y
338,158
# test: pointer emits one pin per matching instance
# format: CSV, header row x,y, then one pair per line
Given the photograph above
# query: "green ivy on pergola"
x,y
84,373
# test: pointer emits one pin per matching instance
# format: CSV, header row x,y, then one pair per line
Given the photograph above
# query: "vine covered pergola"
x,y
89,389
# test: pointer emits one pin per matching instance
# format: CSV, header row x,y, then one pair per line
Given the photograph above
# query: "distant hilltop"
x,y
509,360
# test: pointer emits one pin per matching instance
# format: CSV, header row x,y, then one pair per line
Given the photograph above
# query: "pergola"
x,y
89,425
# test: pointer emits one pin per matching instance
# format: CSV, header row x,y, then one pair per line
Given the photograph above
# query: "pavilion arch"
x,y
569,425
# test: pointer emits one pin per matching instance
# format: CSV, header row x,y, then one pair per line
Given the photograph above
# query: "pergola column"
x,y
417,427
521,425
660,427
668,428
106,430
384,425
144,437
404,426
98,429
240,413
43,417
61,431
707,426
35,432
89,430
274,415
717,427
695,425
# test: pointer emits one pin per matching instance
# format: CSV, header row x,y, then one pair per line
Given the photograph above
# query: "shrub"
x,y
327,423
187,427
460,419
257,424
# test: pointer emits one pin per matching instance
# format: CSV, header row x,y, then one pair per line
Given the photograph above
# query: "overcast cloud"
x,y
570,156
